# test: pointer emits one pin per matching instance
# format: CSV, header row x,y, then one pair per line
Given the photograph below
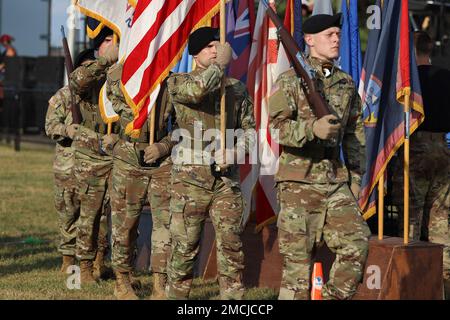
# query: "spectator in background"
x,y
10,51
307,7
6,41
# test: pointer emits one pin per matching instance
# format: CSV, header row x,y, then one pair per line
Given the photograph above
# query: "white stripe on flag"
x,y
168,28
144,23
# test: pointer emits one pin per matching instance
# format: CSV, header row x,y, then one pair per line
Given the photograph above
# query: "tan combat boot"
x,y
123,289
86,268
135,283
99,265
101,271
67,262
159,286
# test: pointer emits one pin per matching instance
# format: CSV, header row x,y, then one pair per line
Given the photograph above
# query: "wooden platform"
x,y
393,270
408,272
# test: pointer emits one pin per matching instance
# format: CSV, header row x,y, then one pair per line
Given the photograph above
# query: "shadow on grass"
x,y
19,257
24,267
15,248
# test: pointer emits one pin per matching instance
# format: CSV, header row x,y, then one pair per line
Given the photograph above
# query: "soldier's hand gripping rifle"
x,y
303,70
74,108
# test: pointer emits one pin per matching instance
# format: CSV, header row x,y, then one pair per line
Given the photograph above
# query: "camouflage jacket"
x,y
304,157
127,148
86,82
196,98
58,117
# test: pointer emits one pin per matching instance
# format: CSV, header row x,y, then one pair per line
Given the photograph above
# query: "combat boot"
x,y
123,289
159,286
101,271
86,268
67,262
135,282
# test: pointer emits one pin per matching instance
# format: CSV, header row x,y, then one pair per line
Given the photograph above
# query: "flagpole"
x,y
222,87
406,173
152,125
381,207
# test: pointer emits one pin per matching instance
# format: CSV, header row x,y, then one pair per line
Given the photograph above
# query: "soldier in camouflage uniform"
x,y
92,165
141,171
196,192
429,169
316,190
67,201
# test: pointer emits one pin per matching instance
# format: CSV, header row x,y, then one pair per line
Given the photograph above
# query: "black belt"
x,y
97,127
328,153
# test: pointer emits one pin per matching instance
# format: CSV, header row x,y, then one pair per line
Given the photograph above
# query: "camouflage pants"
x,y
130,187
93,179
309,211
429,192
189,207
67,204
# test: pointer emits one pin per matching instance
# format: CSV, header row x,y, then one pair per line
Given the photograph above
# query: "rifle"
x,y
75,109
303,70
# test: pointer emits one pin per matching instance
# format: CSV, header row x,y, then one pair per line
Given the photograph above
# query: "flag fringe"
x,y
94,33
102,108
98,17
413,128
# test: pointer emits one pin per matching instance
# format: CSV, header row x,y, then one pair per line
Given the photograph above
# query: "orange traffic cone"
x,y
317,282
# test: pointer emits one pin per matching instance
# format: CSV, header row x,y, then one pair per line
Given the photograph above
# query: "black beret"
x,y
102,36
88,54
200,38
319,22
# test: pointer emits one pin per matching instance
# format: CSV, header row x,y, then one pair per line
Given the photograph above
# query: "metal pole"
x,y
1,17
49,27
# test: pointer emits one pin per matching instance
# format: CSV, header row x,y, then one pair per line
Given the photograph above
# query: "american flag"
x,y
159,33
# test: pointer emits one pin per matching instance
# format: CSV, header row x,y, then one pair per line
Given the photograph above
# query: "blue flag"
x,y
185,64
383,110
350,50
293,21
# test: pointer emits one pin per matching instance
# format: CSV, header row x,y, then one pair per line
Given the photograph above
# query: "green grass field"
x,y
29,261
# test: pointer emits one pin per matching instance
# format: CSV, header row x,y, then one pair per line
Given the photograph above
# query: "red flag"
x,y
261,77
288,16
404,72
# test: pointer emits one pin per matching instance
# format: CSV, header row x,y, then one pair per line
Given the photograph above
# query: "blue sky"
x,y
59,17
27,22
